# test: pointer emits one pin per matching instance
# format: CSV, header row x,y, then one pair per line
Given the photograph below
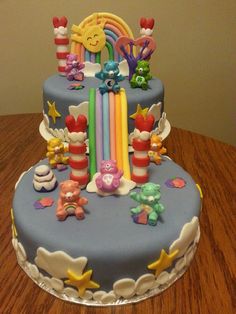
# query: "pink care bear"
x,y
70,202
109,177
73,68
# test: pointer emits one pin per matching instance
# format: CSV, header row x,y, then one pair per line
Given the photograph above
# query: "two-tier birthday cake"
x,y
107,218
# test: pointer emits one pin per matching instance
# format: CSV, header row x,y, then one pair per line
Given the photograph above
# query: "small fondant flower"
x,y
38,205
176,182
179,183
43,202
47,201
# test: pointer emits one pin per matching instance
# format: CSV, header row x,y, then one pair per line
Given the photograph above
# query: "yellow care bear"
x,y
55,152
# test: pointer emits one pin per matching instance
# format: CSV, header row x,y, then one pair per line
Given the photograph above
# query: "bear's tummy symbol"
x,y
108,178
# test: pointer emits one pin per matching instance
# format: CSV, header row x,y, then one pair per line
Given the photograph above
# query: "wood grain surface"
x,y
209,284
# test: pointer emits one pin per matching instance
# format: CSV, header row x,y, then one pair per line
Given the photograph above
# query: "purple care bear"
x,y
73,68
109,177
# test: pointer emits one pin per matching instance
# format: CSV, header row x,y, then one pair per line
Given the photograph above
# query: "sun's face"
x,y
94,38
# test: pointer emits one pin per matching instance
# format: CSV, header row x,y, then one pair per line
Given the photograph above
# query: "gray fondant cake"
x,y
108,242
134,228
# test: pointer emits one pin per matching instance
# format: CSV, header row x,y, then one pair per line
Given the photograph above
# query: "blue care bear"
x,y
110,77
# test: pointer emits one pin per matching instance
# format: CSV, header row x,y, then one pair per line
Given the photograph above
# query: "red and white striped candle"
x,y
61,41
146,25
78,160
141,146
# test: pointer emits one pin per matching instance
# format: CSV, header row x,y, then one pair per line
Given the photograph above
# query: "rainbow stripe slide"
x,y
108,130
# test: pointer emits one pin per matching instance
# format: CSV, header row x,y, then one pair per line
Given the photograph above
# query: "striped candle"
x,y
78,160
61,41
141,146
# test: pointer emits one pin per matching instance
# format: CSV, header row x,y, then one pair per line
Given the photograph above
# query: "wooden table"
x,y
207,287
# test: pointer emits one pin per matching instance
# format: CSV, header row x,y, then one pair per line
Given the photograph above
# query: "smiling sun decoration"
x,y
91,35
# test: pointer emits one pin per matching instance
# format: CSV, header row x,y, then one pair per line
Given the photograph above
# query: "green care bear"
x,y
149,207
141,76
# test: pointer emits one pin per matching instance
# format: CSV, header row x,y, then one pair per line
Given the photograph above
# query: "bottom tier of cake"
x,y
107,259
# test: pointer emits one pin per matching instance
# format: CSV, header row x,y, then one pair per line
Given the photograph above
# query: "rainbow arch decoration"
x,y
106,28
108,130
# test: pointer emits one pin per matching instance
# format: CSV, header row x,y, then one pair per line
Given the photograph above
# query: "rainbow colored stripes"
x,y
108,130
113,29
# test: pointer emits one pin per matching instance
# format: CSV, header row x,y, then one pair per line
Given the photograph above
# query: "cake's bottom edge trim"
x,y
52,285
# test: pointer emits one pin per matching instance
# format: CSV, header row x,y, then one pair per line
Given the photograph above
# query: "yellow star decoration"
x,y
163,262
52,112
14,232
200,190
81,282
139,110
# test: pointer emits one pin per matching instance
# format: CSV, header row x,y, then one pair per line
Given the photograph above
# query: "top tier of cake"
x,y
99,36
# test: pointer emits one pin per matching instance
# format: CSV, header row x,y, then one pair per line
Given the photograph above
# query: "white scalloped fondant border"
x,y
125,290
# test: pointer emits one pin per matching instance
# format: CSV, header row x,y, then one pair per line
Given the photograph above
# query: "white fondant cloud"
x,y
123,67
124,287
161,124
108,297
143,135
162,278
59,133
88,295
81,108
61,30
55,283
77,136
33,270
57,263
20,253
97,295
186,237
70,292
91,68
45,119
155,110
14,242
144,283
123,189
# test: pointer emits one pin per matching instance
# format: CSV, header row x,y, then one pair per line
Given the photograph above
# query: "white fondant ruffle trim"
x,y
125,290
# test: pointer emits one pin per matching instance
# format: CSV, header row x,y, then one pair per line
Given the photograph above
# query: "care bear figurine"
x,y
141,76
156,149
73,68
110,77
109,177
70,202
148,200
55,153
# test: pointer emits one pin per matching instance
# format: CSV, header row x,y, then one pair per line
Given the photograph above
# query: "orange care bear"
x,y
70,202
156,149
